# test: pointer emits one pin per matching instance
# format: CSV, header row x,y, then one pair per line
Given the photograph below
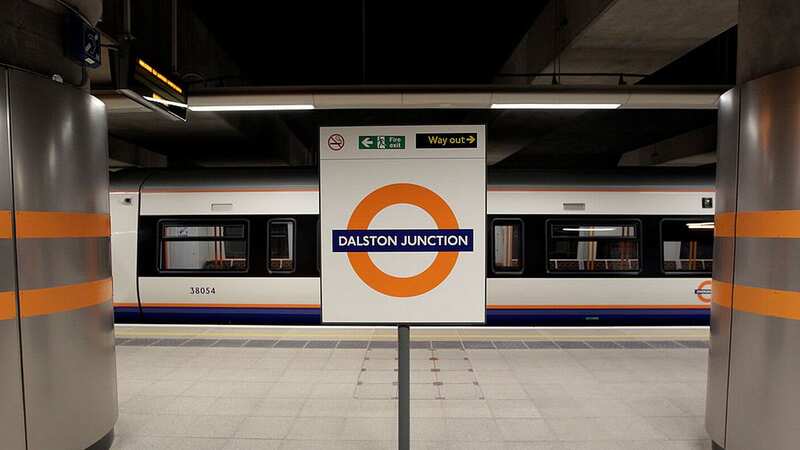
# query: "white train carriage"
x,y
242,246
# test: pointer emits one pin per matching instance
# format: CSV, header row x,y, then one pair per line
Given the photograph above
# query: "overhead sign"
x,y
403,233
447,140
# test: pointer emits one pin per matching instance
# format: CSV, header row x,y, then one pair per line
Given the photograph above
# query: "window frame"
x,y
208,222
293,244
505,221
589,221
661,247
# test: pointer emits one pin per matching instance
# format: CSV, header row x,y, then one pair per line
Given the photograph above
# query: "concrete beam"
x,y
122,154
691,149
633,36
558,24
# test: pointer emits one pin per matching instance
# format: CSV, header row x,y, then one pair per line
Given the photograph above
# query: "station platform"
x,y
208,387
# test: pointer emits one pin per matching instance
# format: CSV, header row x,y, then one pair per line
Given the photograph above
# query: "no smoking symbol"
x,y
335,142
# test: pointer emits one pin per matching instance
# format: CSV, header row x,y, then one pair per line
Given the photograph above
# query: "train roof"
x,y
308,178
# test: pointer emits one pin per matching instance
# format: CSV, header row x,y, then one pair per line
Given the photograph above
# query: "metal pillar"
x,y
403,388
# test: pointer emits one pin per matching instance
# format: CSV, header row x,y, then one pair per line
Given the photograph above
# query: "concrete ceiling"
x,y
584,36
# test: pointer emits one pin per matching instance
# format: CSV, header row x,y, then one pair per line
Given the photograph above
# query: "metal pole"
x,y
404,388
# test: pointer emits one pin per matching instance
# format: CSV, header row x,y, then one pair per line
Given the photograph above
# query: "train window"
x,y
507,245
593,247
281,245
687,245
203,246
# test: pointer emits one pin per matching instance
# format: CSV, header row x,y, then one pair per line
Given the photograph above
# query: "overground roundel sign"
x,y
358,240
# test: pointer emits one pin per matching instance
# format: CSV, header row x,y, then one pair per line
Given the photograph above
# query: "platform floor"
x,y
485,388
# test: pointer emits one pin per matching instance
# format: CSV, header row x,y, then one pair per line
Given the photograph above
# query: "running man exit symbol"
x,y
381,142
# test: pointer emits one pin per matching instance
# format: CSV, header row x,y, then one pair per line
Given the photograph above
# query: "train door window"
x,y
687,245
593,247
507,246
203,246
281,245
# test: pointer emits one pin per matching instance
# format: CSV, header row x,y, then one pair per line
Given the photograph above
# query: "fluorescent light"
x,y
166,102
700,226
555,105
581,229
219,108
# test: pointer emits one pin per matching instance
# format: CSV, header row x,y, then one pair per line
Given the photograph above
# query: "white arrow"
x,y
366,142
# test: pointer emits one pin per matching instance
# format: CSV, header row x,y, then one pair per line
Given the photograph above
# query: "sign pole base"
x,y
403,388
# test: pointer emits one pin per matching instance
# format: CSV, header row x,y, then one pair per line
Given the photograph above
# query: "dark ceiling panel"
x,y
297,43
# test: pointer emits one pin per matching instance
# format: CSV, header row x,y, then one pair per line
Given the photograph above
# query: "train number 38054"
x,y
202,290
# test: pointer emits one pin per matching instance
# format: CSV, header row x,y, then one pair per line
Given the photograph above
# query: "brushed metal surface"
x,y
57,136
65,261
724,252
70,377
727,151
769,160
12,426
768,263
764,401
59,163
723,258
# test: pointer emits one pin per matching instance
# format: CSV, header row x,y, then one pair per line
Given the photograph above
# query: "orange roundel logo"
x,y
703,291
447,240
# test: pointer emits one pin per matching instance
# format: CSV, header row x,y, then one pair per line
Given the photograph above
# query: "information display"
x,y
402,218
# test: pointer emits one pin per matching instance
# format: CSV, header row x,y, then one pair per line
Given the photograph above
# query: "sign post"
x,y
402,221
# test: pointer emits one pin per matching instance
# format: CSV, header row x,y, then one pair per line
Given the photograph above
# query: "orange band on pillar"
x,y
38,302
767,302
5,225
8,305
52,224
723,224
768,224
721,293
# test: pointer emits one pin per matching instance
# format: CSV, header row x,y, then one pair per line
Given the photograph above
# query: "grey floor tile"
x,y
663,344
603,344
571,344
472,429
478,345
541,345
265,427
169,342
138,342
253,444
200,343
285,343
317,428
260,343
353,344
509,345
634,344
369,429
447,344
694,344
321,344
382,344
230,343
517,430
420,344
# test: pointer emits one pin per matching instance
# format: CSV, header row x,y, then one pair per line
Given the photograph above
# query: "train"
x,y
242,246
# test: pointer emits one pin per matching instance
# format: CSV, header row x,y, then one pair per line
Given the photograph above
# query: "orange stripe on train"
x,y
53,224
39,302
228,305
